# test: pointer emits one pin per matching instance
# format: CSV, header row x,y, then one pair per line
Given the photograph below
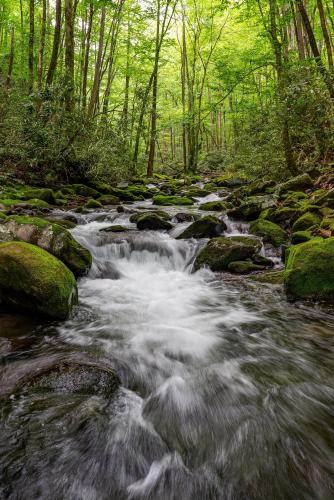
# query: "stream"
x,y
227,390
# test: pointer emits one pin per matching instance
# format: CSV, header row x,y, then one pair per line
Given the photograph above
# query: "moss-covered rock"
x,y
272,277
160,213
161,199
244,267
108,199
269,231
40,194
298,183
152,221
327,199
301,237
67,224
284,216
207,227
221,251
93,204
52,238
309,272
251,208
213,206
85,191
116,228
33,280
306,221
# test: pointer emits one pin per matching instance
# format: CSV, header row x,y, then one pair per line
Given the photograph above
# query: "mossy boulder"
x,y
161,199
271,277
309,272
327,199
152,221
221,251
40,194
33,280
305,221
301,237
214,206
85,191
52,238
100,186
93,204
269,231
284,216
116,228
298,183
207,227
160,213
108,199
251,208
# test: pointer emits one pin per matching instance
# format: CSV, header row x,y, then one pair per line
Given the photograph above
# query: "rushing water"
x,y
227,390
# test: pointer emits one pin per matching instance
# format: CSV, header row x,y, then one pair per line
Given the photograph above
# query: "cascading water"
x,y
227,390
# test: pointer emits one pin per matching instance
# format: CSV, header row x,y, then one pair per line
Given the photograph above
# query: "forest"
x,y
115,89
166,249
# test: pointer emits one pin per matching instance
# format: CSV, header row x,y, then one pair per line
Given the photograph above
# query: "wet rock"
x,y
272,277
160,213
116,228
70,375
152,221
207,227
298,183
161,199
251,208
67,224
269,231
244,267
53,238
183,217
33,280
221,251
309,272
108,200
263,261
93,204
216,206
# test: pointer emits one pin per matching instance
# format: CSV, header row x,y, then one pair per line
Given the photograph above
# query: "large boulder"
x,y
207,227
309,272
298,183
251,208
152,221
160,213
53,238
40,194
214,206
221,251
269,231
33,280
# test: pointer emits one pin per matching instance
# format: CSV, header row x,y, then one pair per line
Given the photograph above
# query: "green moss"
x,y
32,279
116,228
309,272
3,216
152,221
297,183
85,191
93,204
301,237
306,221
214,206
35,202
207,227
272,277
46,195
219,252
159,213
108,199
35,221
171,200
243,267
8,203
269,231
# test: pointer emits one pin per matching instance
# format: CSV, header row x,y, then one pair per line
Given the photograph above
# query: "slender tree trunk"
x,y
94,98
55,47
11,58
86,62
325,34
69,55
314,47
183,91
125,117
31,45
41,46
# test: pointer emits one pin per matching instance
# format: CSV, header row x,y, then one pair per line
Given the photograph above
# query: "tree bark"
x,y
325,34
11,58
69,55
94,98
87,50
31,45
55,46
41,46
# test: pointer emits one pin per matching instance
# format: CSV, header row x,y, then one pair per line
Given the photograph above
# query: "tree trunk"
x,y
325,34
55,47
86,62
69,55
41,46
11,58
31,45
125,117
94,99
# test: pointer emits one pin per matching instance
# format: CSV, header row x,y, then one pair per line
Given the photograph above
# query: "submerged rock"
x,y
269,231
53,238
221,251
309,272
207,227
33,280
152,221
184,217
